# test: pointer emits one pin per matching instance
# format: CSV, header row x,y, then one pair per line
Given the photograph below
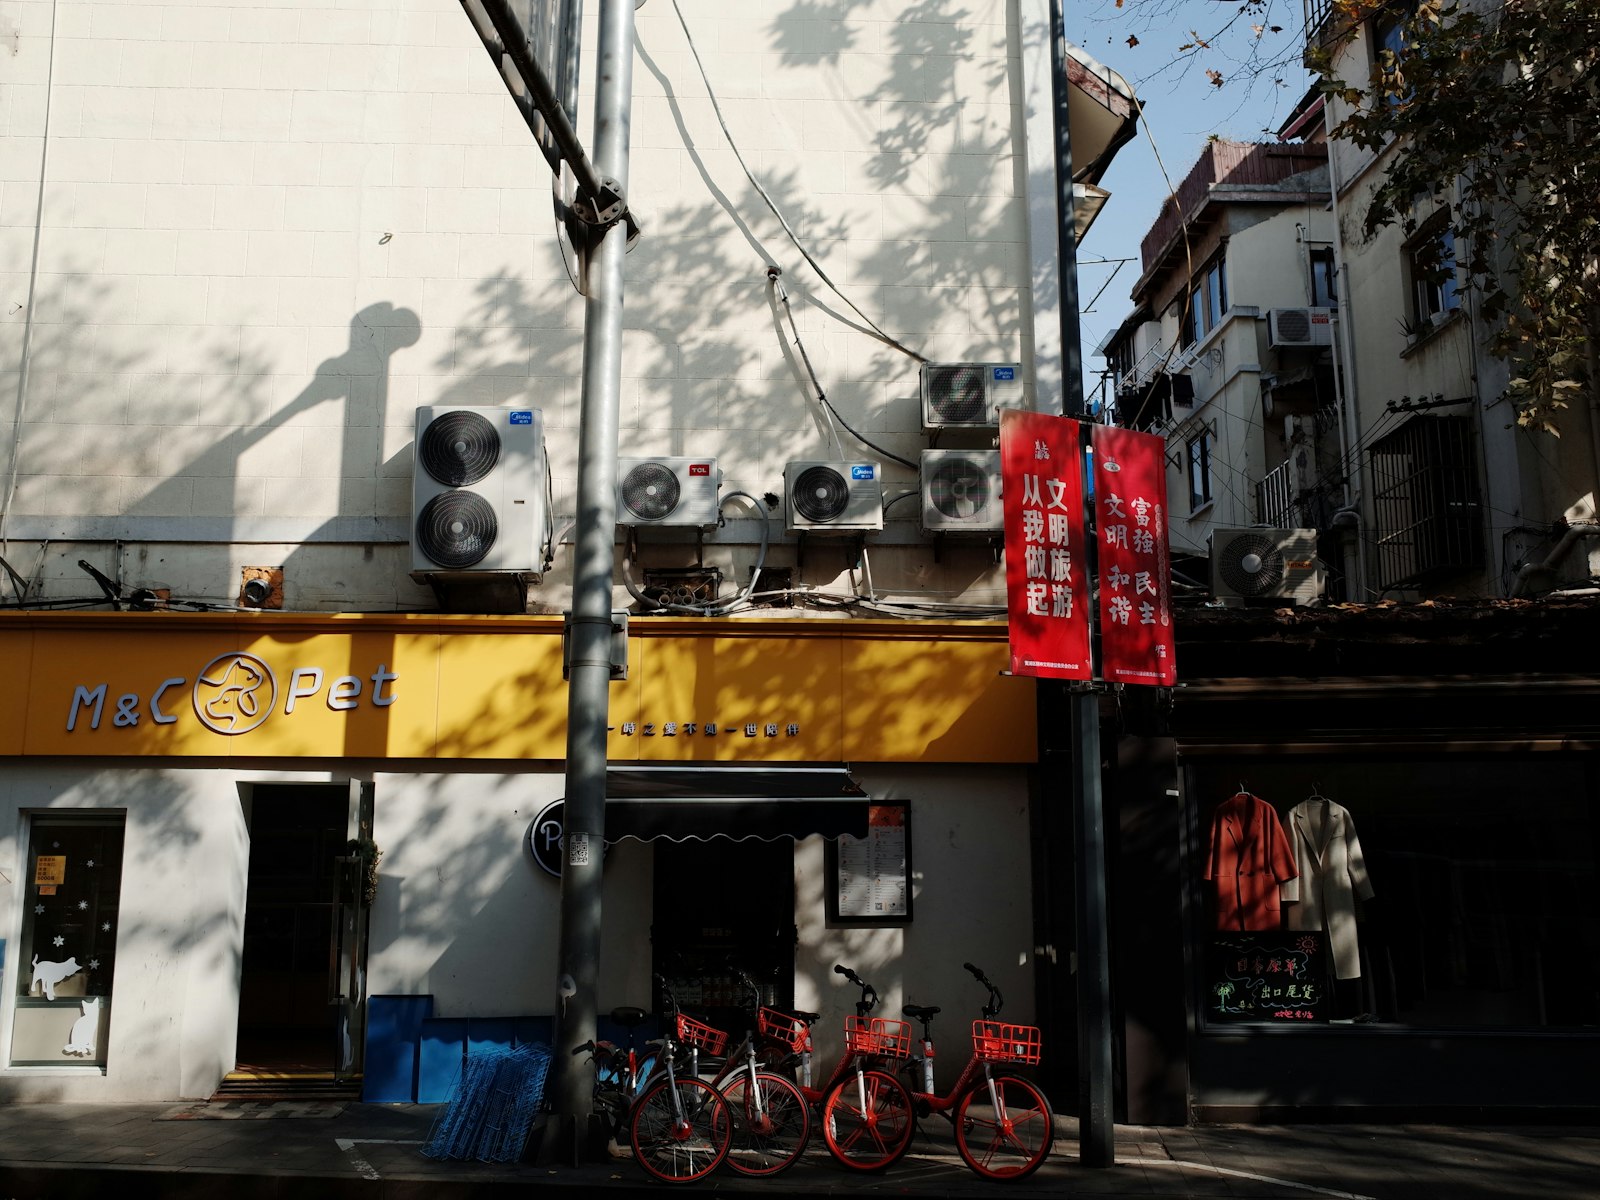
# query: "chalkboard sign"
x,y
1276,975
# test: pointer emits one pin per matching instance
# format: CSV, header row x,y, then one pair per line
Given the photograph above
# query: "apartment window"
x,y
1208,300
1199,453
1324,288
1428,518
1432,265
69,939
1390,37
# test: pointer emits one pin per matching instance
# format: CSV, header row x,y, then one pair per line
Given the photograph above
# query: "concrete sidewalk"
x,y
244,1151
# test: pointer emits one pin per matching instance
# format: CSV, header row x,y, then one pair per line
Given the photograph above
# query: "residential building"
x,y
283,795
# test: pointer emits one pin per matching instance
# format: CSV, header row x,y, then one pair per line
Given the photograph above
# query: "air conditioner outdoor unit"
x,y
479,490
1299,327
1265,564
667,491
833,497
969,395
961,491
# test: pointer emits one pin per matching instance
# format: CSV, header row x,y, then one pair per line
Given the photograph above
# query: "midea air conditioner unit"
x,y
1265,564
833,497
961,491
667,491
1299,327
970,395
479,490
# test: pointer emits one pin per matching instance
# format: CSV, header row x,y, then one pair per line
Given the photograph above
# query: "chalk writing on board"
x,y
1272,975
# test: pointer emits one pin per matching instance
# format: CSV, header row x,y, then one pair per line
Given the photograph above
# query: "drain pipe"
x,y
1533,574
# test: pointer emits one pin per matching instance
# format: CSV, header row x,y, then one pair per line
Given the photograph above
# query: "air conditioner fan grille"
x,y
459,448
650,491
959,489
1252,565
457,529
956,393
1294,325
820,494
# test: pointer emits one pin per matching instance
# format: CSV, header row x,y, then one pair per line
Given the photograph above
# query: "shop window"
x,y
1208,300
1199,455
69,939
1409,894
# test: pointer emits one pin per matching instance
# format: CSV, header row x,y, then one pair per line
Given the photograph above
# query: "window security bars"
x,y
1426,508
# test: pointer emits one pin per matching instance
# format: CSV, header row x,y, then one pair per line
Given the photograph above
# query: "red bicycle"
x,y
1003,1124
867,1118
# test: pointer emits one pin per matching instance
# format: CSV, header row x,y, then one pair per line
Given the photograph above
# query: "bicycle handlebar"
x,y
869,994
996,1000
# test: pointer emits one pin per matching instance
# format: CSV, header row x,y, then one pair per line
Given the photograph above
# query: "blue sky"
x,y
1182,109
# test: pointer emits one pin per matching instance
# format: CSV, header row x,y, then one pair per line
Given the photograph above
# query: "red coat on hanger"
x,y
1250,859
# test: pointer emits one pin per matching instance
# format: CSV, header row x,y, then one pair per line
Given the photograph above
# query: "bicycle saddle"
x,y
919,1012
629,1018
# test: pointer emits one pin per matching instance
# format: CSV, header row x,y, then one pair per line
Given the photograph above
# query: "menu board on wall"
x,y
1276,975
869,879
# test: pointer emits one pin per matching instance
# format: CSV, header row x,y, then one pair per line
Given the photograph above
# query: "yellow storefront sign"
x,y
438,687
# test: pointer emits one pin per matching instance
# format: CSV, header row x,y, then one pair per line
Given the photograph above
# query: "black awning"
x,y
679,803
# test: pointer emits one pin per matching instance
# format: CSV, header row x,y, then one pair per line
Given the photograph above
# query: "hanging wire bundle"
x,y
492,1106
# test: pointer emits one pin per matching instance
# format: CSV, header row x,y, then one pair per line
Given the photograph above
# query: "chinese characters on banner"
x,y
1047,595
1137,644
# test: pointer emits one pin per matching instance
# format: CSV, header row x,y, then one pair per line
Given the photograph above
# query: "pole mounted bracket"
x,y
603,207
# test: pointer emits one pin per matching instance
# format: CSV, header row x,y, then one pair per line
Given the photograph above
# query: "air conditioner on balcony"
x,y
479,490
969,395
667,491
1265,564
833,497
1288,327
961,491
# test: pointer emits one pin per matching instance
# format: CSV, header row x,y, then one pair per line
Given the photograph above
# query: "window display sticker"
x,y
50,870
871,877
1276,976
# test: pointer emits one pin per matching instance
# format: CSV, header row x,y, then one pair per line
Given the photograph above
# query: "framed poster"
x,y
869,879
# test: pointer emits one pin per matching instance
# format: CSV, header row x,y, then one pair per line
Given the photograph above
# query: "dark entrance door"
x,y
722,907
287,1023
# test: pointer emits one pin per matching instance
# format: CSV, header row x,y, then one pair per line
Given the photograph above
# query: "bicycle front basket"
x,y
703,1036
995,1041
781,1027
878,1035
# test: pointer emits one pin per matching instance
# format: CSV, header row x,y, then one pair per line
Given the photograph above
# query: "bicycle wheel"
x,y
867,1121
1008,1141
680,1133
771,1123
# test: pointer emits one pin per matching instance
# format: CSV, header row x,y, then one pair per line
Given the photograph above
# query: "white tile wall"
x,y
270,230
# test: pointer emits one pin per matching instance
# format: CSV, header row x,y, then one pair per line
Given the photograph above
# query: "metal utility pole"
x,y
590,640
1096,1131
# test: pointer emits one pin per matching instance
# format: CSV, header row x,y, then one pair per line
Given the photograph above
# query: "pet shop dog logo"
x,y
232,694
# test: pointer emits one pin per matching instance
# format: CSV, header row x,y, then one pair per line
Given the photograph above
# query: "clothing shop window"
x,y
1422,894
69,939
1199,455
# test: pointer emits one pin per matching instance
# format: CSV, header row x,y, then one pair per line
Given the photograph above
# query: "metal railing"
x,y
1276,504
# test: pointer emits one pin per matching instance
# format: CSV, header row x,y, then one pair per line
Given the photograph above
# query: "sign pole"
x,y
594,553
1096,1130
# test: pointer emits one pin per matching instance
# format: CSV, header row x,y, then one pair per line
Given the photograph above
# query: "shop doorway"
x,y
721,907
295,911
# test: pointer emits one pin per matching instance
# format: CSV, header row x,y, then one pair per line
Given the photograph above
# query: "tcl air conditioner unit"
x,y
1288,327
667,491
961,491
479,490
833,497
969,395
1265,564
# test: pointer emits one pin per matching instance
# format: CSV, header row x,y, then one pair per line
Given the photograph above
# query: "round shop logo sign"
x,y
234,693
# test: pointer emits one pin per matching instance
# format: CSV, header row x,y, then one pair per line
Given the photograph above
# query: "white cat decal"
x,y
48,974
85,1031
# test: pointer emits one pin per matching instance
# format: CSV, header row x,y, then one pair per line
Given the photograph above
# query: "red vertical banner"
x,y
1047,581
1137,644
